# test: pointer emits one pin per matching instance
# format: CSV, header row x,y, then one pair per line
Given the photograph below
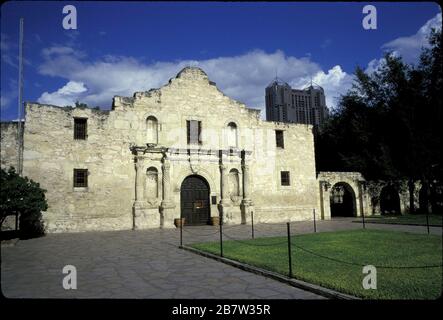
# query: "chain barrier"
x,y
201,234
248,242
362,265
228,227
251,244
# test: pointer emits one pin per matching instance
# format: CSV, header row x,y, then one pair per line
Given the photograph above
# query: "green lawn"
x,y
414,219
376,247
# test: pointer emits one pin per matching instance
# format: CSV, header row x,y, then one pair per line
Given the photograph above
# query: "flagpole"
x,y
20,101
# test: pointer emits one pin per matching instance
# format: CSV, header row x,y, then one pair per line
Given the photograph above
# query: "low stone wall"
x,y
366,193
9,223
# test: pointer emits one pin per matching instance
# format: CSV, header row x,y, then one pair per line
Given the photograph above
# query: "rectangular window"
x,y
80,178
193,131
285,178
80,128
279,139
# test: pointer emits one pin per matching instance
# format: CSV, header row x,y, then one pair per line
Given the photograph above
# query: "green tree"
x,y
24,196
388,125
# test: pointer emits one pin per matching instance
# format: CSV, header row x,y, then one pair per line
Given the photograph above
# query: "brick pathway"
x,y
146,264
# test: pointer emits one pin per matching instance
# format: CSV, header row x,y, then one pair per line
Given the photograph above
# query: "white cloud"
x,y
8,56
9,94
409,47
335,82
57,50
5,48
242,77
374,65
65,96
4,101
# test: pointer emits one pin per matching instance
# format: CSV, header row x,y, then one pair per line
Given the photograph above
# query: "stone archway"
x,y
194,200
389,201
342,200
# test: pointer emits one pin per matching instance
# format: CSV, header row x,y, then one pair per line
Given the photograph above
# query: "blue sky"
x,y
122,47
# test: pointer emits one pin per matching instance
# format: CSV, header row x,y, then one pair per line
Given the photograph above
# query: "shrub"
x,y
23,196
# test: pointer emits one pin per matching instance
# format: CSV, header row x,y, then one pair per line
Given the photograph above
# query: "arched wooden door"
x,y
194,195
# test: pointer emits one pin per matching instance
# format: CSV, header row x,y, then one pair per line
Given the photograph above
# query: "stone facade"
x,y
9,144
356,185
367,196
138,155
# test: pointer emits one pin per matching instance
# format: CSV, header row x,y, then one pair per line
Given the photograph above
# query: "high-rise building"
x,y
284,104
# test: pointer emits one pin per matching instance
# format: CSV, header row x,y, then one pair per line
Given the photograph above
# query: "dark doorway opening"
x,y
389,201
194,200
342,200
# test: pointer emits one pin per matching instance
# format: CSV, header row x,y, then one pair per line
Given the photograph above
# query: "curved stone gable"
x,y
190,84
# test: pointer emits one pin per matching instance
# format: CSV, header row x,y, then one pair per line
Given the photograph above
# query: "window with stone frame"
x,y
80,178
152,130
279,139
232,135
193,132
80,128
285,178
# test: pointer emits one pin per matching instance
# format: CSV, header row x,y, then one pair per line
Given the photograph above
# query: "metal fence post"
x,y
252,223
315,224
289,249
181,233
427,219
363,217
221,237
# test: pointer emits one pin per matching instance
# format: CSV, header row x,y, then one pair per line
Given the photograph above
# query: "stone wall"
x,y
119,154
51,154
9,145
366,194
400,187
9,158
356,183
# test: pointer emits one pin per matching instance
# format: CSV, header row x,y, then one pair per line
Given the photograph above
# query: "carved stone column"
x,y
167,206
166,180
139,203
139,179
224,185
246,205
245,169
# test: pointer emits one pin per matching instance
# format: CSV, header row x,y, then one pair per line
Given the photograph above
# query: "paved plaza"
x,y
148,264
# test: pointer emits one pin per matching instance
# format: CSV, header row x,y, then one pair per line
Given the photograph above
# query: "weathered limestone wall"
x,y
51,154
9,145
356,183
273,201
366,194
121,193
191,96
9,158
375,189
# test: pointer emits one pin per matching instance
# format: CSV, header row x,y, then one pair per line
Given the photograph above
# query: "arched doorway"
x,y
194,200
342,200
389,201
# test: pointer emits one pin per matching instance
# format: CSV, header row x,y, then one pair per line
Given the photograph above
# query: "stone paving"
x,y
147,264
